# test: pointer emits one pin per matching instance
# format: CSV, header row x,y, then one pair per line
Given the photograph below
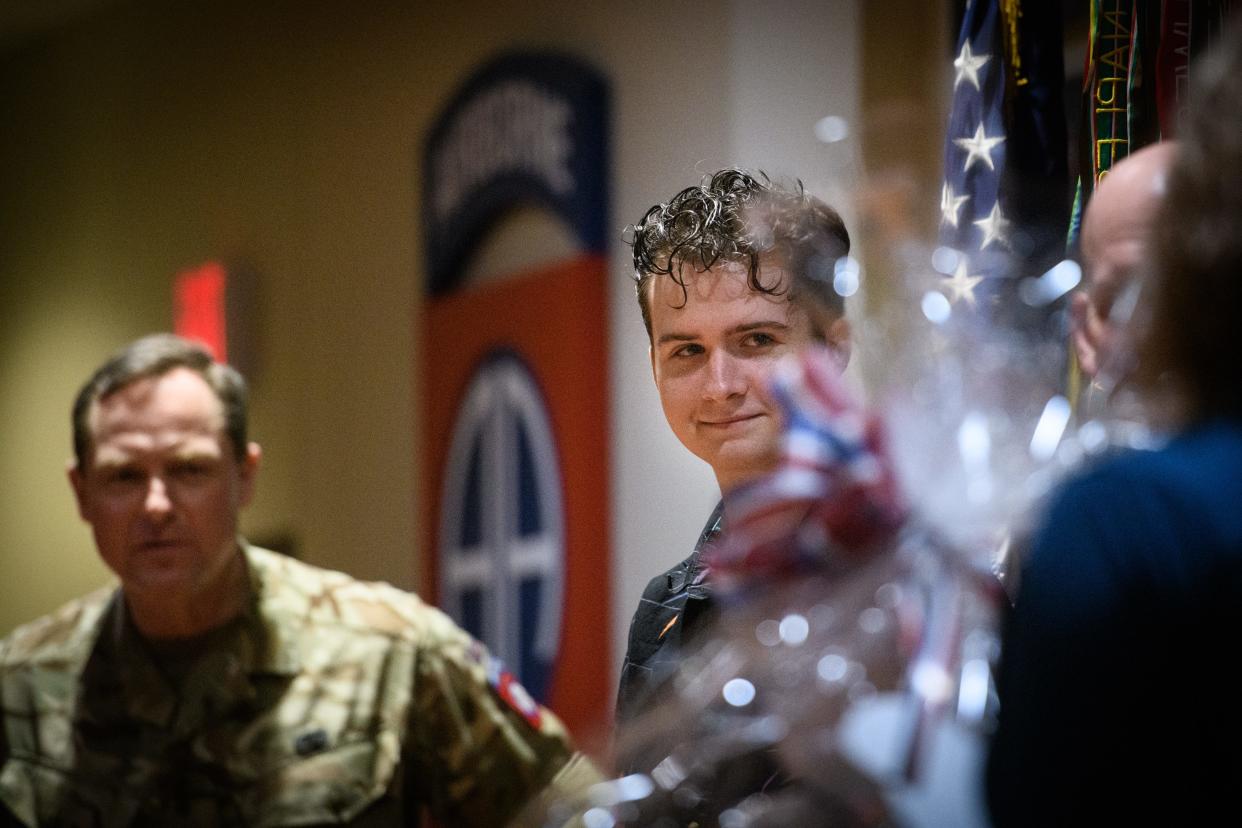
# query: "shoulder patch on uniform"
x,y
512,693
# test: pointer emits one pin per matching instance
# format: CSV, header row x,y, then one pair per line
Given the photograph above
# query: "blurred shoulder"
x,y
60,637
325,597
676,579
1198,465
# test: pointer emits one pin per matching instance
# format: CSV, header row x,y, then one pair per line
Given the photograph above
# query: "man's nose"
x,y
157,502
726,377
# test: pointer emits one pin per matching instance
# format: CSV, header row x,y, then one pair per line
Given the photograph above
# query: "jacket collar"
x,y
692,575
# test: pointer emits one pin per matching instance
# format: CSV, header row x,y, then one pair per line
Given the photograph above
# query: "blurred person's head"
x,y
1192,340
730,276
154,356
1116,246
161,472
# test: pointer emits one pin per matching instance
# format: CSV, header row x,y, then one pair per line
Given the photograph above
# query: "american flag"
x,y
973,221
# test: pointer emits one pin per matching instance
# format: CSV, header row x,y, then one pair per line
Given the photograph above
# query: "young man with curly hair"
x,y
731,275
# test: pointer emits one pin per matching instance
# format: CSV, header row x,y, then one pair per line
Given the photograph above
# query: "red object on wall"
x,y
199,307
556,320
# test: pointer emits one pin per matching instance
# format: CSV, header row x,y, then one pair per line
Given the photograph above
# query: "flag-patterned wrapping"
x,y
832,499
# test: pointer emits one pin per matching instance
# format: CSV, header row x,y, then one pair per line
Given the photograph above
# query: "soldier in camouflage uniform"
x,y
222,684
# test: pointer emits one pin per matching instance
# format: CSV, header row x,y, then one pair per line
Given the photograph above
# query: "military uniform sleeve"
x,y
7,818
484,747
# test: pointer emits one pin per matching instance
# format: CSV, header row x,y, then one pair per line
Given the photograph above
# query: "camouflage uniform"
x,y
329,701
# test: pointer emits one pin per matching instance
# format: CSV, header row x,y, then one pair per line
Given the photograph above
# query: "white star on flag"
x,y
962,284
950,205
995,227
978,147
968,65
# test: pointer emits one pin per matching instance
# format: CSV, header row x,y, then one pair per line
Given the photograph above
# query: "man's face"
x,y
1116,234
1112,264
162,487
711,358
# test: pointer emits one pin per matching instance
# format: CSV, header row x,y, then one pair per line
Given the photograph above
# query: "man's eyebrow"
x,y
192,457
109,465
192,448
675,337
761,324
746,327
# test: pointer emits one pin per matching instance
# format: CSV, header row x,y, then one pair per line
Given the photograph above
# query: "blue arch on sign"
x,y
526,128
502,522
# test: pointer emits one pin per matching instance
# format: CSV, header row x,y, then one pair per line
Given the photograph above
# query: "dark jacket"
x,y
673,610
1112,709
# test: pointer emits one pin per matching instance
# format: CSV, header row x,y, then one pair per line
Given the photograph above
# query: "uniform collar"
x,y
692,576
272,648
123,679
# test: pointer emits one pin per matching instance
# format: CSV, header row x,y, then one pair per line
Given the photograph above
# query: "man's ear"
x,y
1084,348
651,357
77,483
249,472
839,341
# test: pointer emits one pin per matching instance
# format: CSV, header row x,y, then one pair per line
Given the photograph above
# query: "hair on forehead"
x,y
155,356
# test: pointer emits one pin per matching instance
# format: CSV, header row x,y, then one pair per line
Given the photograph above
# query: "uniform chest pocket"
x,y
322,783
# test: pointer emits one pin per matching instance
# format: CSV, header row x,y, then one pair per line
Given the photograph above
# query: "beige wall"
x,y
155,135
143,142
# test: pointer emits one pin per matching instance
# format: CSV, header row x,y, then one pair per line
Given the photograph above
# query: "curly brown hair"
x,y
734,216
1193,336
